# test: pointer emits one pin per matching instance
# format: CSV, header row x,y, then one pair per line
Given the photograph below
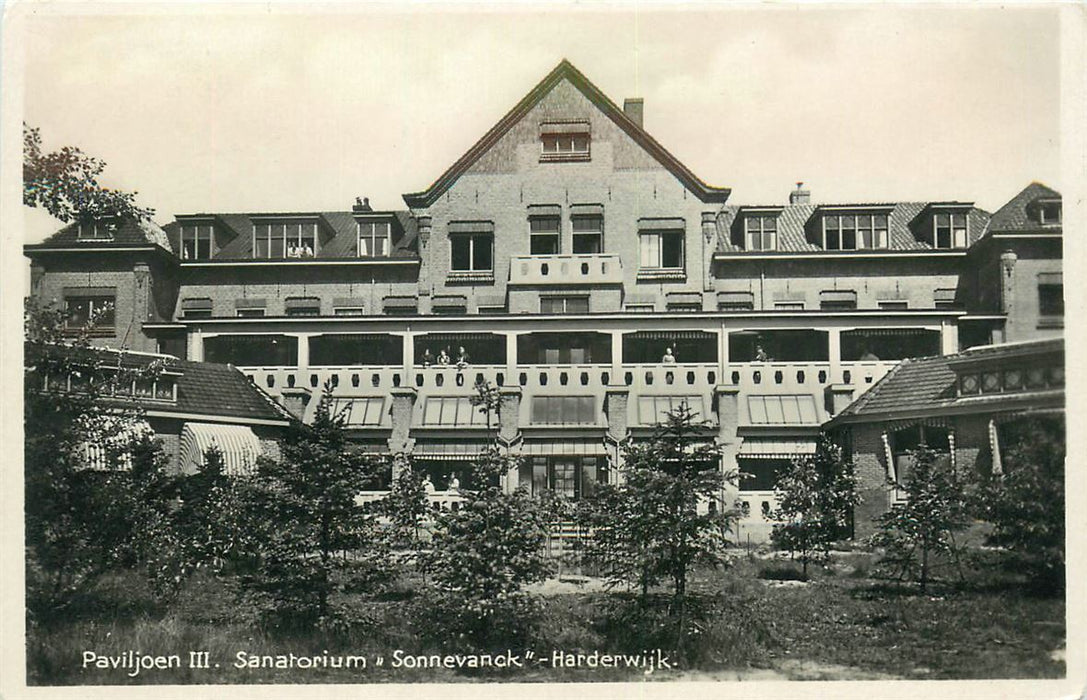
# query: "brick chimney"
x,y
634,108
799,196
362,205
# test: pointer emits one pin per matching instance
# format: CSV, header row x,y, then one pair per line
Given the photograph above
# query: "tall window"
x,y
588,234
908,439
295,239
854,231
374,238
762,232
196,241
80,310
950,231
1051,299
1049,213
564,305
662,249
544,234
472,252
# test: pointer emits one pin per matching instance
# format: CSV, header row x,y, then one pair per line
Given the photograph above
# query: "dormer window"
x,y
374,238
285,239
564,141
1049,212
949,230
96,230
854,231
197,241
760,232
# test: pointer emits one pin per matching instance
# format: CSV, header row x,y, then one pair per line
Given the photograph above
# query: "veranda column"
x,y
400,442
834,353
728,419
616,407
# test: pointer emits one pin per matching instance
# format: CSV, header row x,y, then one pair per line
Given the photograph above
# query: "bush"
x,y
782,573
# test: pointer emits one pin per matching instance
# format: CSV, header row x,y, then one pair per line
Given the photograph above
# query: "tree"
x,y
1026,504
406,508
306,501
97,496
816,496
917,530
65,183
483,554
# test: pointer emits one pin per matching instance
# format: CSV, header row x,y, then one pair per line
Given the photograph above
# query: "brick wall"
x,y
870,470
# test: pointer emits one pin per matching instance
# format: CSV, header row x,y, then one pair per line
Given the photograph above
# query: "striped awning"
x,y
250,303
887,332
776,448
660,224
586,210
684,297
592,447
544,210
196,304
838,295
466,450
671,335
239,445
783,409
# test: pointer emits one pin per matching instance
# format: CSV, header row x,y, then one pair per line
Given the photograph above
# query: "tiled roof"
x,y
1013,215
928,383
129,232
342,244
798,227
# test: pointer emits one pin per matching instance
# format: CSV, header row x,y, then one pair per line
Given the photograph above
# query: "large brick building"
x,y
573,262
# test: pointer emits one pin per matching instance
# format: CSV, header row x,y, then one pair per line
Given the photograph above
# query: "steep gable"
x,y
557,88
1013,216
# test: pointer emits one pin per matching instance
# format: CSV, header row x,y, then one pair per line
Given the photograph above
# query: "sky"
x,y
275,108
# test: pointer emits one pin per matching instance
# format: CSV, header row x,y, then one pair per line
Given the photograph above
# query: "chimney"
x,y
362,205
634,108
799,196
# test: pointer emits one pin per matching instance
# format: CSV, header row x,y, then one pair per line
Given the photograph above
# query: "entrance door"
x,y
564,478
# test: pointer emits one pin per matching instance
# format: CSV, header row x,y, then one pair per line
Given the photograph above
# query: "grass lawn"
x,y
841,625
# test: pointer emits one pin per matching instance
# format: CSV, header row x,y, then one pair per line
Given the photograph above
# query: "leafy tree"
x,y
649,529
1026,505
914,532
488,400
65,183
816,496
84,516
316,541
484,554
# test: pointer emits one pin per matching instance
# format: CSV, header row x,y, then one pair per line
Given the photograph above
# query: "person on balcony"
x,y
760,354
443,358
462,357
454,483
428,358
669,358
428,485
868,356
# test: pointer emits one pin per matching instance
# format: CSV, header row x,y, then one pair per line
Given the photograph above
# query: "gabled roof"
x,y
1013,216
338,237
926,385
566,71
129,233
798,226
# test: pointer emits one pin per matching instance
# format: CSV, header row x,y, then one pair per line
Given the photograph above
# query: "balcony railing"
x,y
566,269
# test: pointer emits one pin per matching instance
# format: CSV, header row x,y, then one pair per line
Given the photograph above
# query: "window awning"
x,y
301,302
1050,278
239,445
944,295
892,332
661,224
783,409
349,301
589,447
775,448
735,296
684,297
471,227
250,303
586,210
838,295
670,335
449,300
196,304
544,210
108,438
438,337
358,412
564,127
466,450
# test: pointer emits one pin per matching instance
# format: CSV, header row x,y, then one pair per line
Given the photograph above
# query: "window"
x,y
374,237
564,141
789,305
837,300
568,476
349,311
250,313
950,231
252,350
360,411
196,241
482,309
894,304
1049,213
761,232
450,306
544,235
662,249
943,299
285,240
735,301
760,473
564,409
906,440
588,234
96,230
854,231
303,306
471,252
452,411
564,305
640,308
1051,299
82,310
401,306
683,306
196,308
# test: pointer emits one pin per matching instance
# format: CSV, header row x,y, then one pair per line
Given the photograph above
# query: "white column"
x,y
949,337
303,350
722,353
195,349
834,352
511,358
408,352
616,357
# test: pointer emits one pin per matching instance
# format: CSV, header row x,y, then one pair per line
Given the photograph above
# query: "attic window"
x,y
564,141
854,231
1049,212
96,230
285,239
374,237
949,230
196,241
761,232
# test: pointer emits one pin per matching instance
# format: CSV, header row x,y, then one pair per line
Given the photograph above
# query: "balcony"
x,y
545,270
